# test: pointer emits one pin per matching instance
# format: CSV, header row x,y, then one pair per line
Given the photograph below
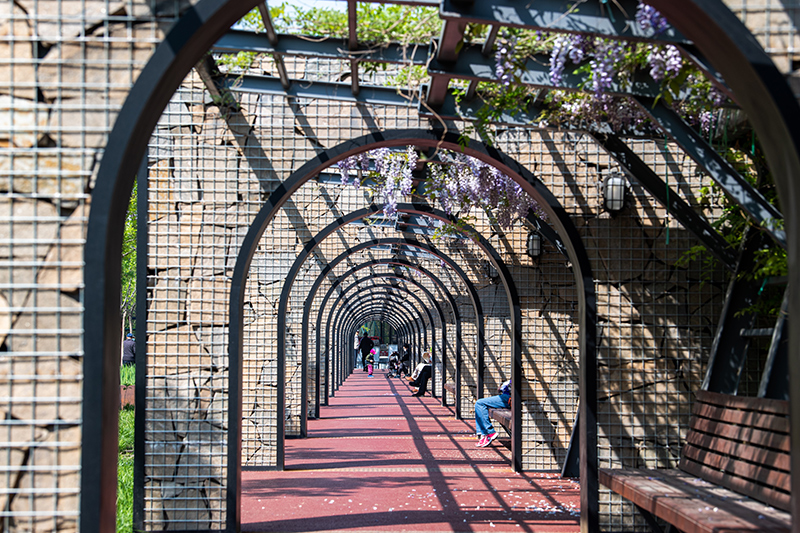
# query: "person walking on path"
x,y
128,351
365,346
483,424
370,362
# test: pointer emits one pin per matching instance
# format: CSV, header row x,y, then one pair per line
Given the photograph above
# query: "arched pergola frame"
x,y
442,287
348,325
318,401
451,302
759,87
246,253
471,290
382,277
343,322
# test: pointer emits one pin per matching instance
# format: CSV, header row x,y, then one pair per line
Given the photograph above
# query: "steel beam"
x,y
775,378
288,44
368,94
735,186
474,66
729,349
614,20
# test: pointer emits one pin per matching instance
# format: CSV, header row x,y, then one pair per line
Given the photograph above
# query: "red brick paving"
x,y
379,459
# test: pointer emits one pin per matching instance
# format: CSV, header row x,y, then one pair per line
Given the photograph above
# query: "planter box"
x,y
127,395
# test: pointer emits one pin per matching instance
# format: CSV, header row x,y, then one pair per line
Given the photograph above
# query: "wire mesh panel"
x,y
65,70
656,313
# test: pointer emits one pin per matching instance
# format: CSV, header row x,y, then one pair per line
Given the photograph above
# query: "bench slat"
x,y
692,504
754,419
768,495
763,457
731,465
758,437
503,416
764,405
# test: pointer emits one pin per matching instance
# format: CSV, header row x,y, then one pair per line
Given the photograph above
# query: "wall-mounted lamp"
x,y
490,270
534,244
614,189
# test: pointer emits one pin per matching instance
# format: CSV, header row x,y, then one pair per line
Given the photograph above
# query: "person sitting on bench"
x,y
483,424
421,375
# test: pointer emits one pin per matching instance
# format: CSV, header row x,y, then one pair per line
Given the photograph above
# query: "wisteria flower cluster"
x,y
665,62
607,64
648,18
504,66
456,182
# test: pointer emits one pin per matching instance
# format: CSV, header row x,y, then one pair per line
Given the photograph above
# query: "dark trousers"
x,y
422,380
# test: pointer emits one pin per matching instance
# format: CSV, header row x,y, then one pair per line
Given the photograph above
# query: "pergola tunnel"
x,y
295,182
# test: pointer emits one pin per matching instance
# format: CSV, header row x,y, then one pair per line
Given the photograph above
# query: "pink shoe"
x,y
480,443
487,440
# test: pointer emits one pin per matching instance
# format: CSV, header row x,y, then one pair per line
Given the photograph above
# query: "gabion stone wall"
x,y
66,68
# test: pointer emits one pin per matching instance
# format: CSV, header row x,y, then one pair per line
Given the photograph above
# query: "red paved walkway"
x,y
382,460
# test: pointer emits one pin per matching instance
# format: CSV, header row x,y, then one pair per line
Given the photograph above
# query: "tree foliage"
x,y
128,295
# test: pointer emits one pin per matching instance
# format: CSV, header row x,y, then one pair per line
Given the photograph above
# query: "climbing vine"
x,y
592,74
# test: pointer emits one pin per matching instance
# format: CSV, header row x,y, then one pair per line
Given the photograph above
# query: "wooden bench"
x,y
735,460
503,416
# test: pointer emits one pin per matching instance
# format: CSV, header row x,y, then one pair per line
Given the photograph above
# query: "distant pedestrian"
x,y
365,346
129,350
370,362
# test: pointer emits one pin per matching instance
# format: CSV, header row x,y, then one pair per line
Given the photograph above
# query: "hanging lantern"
x,y
614,190
534,244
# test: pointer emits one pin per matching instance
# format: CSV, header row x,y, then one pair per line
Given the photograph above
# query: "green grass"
x,y
125,471
127,375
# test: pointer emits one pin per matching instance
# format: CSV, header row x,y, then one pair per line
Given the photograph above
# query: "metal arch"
x,y
328,268
194,33
508,283
413,311
327,358
762,92
333,307
759,86
349,360
396,324
548,202
411,321
431,297
365,309
340,309
355,284
477,307
486,247
345,329
456,319
411,242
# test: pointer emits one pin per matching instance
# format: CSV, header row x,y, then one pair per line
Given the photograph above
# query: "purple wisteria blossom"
x,y
458,183
649,18
604,65
504,66
558,58
665,62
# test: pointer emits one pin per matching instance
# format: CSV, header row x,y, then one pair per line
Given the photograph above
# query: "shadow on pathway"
x,y
380,459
